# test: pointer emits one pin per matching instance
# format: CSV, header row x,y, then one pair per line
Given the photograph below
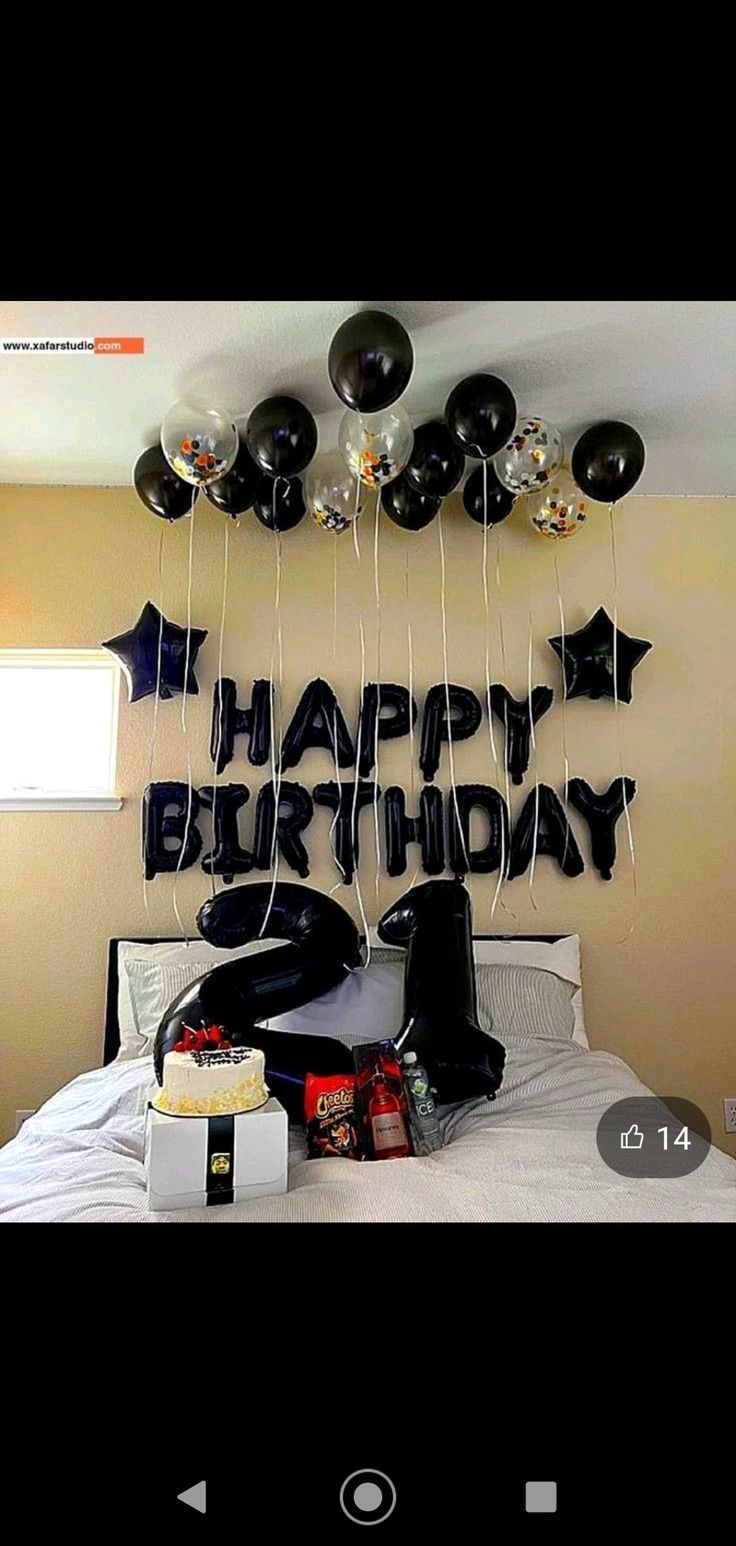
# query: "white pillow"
x,y
151,976
517,1003
562,958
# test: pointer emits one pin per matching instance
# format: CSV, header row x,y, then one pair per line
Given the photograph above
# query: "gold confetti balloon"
x,y
334,498
558,510
531,458
376,446
199,443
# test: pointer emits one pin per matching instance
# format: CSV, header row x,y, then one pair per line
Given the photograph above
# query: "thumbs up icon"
x,y
633,1138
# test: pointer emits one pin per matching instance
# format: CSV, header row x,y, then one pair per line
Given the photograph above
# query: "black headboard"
x,y
112,1028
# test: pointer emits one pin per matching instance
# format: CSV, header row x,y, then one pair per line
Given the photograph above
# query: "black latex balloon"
x,y
370,361
169,811
227,857
234,494
138,652
323,943
408,508
157,485
602,811
317,720
427,829
436,465
281,436
554,834
279,503
347,805
608,460
440,1024
228,721
390,704
478,861
587,658
499,501
295,813
517,721
480,414
465,715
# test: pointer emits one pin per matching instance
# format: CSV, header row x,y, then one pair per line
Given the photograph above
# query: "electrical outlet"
x,y
729,1113
22,1116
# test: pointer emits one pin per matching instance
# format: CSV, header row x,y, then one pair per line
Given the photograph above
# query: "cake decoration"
x,y
205,1075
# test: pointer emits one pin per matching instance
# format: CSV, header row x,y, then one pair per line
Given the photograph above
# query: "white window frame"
x,y
48,800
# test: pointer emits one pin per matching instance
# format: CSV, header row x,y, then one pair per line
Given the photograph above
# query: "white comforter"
x,y
531,1156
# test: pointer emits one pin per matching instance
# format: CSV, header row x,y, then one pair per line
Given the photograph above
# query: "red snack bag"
x,y
329,1110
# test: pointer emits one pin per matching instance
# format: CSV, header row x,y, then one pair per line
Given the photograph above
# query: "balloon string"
x,y
276,774
185,730
377,593
619,740
450,747
565,758
410,659
223,613
333,846
504,672
536,768
356,543
358,892
492,738
154,727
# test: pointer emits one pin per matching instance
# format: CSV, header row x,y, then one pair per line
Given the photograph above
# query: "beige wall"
x,y
77,564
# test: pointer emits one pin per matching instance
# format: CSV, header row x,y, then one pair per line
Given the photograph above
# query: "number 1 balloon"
x,y
200,443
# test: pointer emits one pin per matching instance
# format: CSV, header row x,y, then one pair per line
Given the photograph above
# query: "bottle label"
x,y
388,1131
425,1108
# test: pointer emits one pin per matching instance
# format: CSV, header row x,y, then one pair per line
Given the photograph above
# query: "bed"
x,y
528,1157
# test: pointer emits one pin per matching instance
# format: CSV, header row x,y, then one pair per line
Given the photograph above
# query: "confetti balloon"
x,y
333,497
558,510
376,446
531,458
198,442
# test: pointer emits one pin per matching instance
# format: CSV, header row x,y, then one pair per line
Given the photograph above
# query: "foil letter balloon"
x,y
433,923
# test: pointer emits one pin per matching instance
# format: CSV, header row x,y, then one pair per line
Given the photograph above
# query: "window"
x,y
58,730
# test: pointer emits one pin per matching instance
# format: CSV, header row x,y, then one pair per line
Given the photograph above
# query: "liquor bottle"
x,y
389,1137
423,1118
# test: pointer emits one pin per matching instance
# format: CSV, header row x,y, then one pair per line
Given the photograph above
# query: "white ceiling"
x,y
669,367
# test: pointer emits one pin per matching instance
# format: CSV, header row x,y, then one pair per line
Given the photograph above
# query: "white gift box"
x,y
200,1162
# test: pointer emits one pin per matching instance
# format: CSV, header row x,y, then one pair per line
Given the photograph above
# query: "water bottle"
x,y
425,1125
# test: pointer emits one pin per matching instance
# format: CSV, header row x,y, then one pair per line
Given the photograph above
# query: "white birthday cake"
x,y
212,1082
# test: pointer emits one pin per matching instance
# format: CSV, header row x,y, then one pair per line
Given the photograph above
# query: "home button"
x,y
367,1497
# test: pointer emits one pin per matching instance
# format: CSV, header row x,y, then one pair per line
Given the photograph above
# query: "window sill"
x,y
61,802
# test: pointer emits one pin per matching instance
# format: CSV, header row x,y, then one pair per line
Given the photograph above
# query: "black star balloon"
x,y
587,659
138,651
